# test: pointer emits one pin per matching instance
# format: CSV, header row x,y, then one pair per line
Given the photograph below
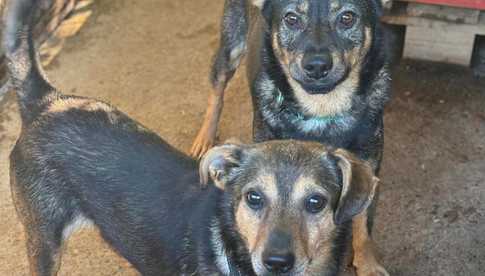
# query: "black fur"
x,y
139,191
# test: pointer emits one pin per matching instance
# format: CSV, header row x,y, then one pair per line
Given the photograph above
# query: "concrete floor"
x,y
151,59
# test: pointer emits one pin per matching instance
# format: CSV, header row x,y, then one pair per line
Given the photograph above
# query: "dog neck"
x,y
279,106
334,103
283,101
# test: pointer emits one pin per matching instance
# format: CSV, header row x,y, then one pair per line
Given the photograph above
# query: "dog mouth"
x,y
321,86
299,272
317,88
299,269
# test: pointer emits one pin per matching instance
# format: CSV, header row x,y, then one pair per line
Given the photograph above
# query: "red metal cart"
x,y
439,30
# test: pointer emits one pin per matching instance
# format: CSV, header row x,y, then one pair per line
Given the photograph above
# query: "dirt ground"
x,y
151,59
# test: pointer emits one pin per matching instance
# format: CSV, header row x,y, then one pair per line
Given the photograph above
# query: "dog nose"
x,y
317,66
279,263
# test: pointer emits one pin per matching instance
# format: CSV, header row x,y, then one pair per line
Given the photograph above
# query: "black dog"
x,y
318,71
277,208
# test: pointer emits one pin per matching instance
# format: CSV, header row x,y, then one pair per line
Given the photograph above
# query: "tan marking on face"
x,y
62,105
338,100
367,41
356,56
320,229
301,234
333,103
254,229
281,54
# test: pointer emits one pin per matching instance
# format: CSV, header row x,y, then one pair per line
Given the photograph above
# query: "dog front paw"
x,y
203,142
372,269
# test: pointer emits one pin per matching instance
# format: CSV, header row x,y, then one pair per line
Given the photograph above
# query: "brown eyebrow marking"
x,y
254,233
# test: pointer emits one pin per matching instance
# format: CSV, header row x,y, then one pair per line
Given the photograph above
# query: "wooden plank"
x,y
470,4
439,44
413,21
451,14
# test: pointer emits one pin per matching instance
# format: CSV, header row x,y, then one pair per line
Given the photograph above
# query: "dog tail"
x,y
26,74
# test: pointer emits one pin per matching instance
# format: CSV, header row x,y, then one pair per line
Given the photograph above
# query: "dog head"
x,y
290,202
320,44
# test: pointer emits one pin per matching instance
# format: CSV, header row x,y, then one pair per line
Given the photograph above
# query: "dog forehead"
x,y
304,6
288,162
321,7
275,155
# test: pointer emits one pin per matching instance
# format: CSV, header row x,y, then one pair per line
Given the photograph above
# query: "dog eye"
x,y
347,19
315,203
292,19
254,200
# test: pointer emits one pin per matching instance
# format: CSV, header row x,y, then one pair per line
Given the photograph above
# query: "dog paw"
x,y
371,270
202,143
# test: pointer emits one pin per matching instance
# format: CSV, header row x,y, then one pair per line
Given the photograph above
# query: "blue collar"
x,y
321,119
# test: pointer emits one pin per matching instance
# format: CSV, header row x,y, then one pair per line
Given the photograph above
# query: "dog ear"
x,y
218,162
359,186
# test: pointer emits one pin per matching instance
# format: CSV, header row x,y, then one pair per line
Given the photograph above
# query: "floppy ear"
x,y
359,186
217,164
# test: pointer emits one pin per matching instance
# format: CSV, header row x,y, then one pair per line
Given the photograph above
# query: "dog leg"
x,y
234,30
44,252
206,137
365,254
43,226
44,240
